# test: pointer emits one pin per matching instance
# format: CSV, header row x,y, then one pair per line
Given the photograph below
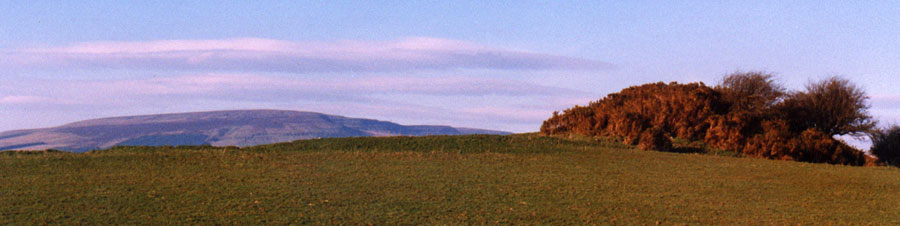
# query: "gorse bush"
x,y
748,114
675,109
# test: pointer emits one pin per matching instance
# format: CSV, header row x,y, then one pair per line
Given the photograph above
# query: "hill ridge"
x,y
219,128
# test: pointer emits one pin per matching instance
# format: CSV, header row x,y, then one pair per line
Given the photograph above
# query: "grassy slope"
x,y
464,179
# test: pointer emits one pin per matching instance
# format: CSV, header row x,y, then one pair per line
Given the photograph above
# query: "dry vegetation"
x,y
747,114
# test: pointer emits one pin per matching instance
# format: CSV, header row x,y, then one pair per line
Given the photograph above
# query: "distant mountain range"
x,y
218,128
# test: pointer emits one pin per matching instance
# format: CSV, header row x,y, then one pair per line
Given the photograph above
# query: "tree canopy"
x,y
834,106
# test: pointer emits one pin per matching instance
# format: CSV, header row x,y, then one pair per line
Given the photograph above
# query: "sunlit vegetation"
x,y
748,114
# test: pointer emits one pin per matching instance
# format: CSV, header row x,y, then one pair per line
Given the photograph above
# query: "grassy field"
x,y
479,179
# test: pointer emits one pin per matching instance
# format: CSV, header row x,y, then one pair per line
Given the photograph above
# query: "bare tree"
x,y
751,91
834,106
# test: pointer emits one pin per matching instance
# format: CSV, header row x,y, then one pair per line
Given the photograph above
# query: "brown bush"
x,y
731,131
775,142
737,116
753,92
778,142
644,115
655,139
679,109
834,106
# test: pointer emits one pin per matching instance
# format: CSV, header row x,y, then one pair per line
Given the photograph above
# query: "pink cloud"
x,y
458,100
25,100
510,113
254,54
885,101
230,83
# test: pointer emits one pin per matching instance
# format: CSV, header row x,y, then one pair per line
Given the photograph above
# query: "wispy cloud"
x,y
227,84
509,113
17,99
885,101
412,80
454,100
253,54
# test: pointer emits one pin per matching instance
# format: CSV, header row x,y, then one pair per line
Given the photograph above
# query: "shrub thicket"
x,y
834,106
886,145
746,114
679,110
753,92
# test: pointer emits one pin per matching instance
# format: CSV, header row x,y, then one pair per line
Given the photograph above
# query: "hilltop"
x,y
219,128
749,114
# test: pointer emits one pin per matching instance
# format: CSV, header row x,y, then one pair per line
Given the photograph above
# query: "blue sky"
x,y
503,65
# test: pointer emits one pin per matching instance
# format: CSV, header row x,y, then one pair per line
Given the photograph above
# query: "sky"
x,y
503,65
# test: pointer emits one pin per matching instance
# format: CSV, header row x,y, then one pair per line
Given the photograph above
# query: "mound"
x,y
652,115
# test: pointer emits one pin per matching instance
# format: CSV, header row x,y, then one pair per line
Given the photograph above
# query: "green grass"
x,y
520,179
